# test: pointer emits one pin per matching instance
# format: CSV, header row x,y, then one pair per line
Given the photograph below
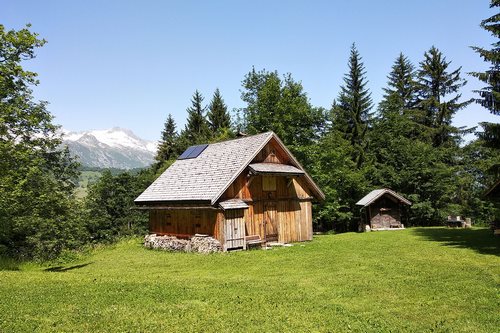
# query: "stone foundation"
x,y
197,243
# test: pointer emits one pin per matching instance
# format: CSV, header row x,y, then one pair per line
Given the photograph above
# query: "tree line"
x,y
407,143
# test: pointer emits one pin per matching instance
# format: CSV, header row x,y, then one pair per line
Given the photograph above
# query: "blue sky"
x,y
130,63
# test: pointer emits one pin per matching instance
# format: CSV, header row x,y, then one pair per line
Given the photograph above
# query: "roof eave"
x,y
173,202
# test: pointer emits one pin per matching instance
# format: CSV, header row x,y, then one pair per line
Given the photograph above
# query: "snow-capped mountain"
x,y
110,148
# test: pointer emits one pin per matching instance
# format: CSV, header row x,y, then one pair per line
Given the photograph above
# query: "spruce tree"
x,y
400,94
196,129
490,94
218,117
167,147
435,83
351,110
397,110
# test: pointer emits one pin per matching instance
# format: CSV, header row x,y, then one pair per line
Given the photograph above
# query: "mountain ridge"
x,y
110,148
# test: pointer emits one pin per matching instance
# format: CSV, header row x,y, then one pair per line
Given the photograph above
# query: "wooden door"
x,y
234,229
271,222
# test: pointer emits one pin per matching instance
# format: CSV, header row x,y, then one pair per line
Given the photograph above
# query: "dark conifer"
x,y
351,111
435,83
400,94
196,129
167,147
490,94
218,117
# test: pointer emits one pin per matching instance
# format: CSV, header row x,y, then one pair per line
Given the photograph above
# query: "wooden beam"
x,y
250,178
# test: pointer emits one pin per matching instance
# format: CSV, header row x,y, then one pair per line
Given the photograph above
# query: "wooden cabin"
x,y
382,209
250,188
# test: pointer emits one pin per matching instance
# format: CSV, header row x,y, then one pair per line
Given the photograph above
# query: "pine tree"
x,y
490,95
400,94
351,110
196,130
397,110
167,147
218,117
435,83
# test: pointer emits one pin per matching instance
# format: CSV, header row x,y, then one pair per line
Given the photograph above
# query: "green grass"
x,y
416,280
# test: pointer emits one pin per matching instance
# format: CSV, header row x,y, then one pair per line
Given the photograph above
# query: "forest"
x,y
407,142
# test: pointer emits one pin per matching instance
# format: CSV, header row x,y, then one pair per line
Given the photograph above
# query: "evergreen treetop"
x,y
218,117
400,93
435,83
490,94
196,129
167,147
351,111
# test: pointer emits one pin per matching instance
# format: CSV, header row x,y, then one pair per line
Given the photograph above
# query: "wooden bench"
x,y
251,240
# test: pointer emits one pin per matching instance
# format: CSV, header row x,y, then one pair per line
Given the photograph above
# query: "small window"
x,y
268,183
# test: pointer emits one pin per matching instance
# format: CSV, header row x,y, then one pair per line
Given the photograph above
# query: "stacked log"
x,y
197,243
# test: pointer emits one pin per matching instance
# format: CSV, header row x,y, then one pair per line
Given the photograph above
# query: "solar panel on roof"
x,y
186,153
197,151
192,152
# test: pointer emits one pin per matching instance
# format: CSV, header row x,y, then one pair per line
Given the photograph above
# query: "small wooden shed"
x,y
247,188
382,209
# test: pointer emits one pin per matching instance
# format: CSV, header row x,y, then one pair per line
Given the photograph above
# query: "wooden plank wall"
x,y
183,222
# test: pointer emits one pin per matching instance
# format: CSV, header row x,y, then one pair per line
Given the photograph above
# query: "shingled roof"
x,y
275,169
375,194
206,177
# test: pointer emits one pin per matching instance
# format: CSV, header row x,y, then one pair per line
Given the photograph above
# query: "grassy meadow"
x,y
421,279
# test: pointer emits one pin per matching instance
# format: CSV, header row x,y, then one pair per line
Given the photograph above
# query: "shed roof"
x,y
233,204
206,177
375,194
274,168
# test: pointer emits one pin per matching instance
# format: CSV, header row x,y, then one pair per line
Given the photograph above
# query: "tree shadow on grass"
x,y
479,240
65,269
